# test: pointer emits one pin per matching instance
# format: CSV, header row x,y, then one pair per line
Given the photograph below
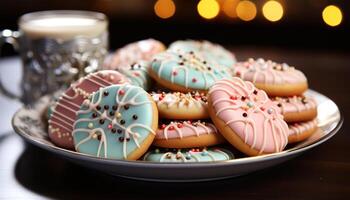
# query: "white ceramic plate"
x,y
28,123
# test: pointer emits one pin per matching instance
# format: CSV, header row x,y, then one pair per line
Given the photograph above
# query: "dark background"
x,y
301,26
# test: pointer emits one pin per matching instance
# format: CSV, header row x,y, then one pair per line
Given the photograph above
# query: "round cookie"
x,y
117,122
137,74
178,105
275,79
300,131
187,134
134,52
211,52
185,72
246,117
297,108
188,155
63,117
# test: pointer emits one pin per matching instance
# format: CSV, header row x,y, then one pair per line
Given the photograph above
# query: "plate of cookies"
x,y
186,112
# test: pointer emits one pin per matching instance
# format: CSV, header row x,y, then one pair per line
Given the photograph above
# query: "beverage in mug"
x,y
56,48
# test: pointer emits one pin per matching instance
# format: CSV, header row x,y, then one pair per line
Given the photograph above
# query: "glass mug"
x,y
56,48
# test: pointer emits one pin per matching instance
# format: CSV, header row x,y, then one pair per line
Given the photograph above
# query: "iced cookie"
x,y
185,72
142,50
63,117
299,131
178,105
212,53
275,79
188,155
117,122
137,74
297,108
246,117
187,134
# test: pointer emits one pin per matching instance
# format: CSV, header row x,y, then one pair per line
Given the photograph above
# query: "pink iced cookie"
x,y
246,117
297,108
142,50
274,78
187,134
63,117
301,131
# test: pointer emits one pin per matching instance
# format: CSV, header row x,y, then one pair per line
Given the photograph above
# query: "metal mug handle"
x,y
9,37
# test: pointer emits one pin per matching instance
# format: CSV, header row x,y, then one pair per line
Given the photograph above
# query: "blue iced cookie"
x,y
185,72
137,74
188,155
211,52
117,122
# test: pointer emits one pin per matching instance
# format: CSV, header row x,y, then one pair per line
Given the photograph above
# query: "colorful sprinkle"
x,y
109,126
270,111
121,92
134,117
245,115
194,80
90,125
250,104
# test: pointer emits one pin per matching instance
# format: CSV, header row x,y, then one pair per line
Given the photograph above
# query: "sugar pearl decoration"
x,y
90,125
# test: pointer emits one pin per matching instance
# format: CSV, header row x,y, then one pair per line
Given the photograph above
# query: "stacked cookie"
x,y
286,86
178,104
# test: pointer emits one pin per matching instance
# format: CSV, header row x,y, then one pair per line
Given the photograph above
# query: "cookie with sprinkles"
x,y
297,108
300,131
211,52
188,155
185,72
178,105
246,117
274,78
142,50
117,122
137,73
63,116
187,134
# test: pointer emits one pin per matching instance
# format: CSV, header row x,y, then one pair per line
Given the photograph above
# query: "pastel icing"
x,y
180,100
142,50
211,52
267,72
301,127
188,155
187,70
137,73
182,129
250,114
295,104
114,122
63,117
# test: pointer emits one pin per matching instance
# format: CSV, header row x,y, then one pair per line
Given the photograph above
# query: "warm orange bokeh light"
x,y
164,8
246,10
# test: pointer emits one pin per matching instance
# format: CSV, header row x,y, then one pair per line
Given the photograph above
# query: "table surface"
x,y
27,172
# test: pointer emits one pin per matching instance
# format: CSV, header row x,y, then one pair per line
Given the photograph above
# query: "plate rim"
x,y
141,163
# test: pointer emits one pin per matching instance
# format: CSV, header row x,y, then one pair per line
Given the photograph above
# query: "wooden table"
x,y
323,173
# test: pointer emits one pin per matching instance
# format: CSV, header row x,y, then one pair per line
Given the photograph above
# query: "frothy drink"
x,y
62,25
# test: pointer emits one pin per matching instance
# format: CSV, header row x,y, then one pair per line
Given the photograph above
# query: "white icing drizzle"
x,y
274,119
120,102
193,126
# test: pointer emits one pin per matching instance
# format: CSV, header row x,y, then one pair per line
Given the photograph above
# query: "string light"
x,y
332,15
208,9
164,8
272,11
229,8
246,10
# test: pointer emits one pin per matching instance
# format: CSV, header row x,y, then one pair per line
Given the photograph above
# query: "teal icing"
x,y
138,74
213,53
191,71
115,142
188,155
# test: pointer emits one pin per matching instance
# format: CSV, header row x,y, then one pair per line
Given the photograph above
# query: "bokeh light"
x,y
246,10
208,9
229,8
332,15
164,8
272,11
